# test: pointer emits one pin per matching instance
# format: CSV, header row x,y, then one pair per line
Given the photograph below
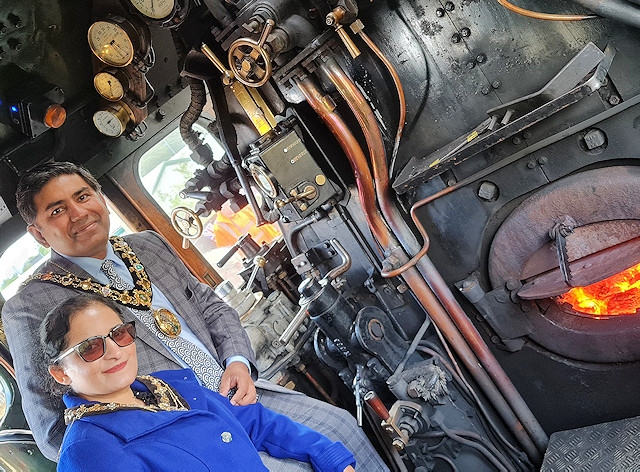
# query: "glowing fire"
x,y
617,295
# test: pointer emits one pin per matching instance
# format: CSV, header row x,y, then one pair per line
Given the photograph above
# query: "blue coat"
x,y
212,435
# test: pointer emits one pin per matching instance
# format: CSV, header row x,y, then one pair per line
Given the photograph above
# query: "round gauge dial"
x,y
109,86
112,119
154,9
110,43
263,180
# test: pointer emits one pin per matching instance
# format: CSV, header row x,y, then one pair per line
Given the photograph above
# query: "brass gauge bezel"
x,y
118,42
118,84
172,14
121,115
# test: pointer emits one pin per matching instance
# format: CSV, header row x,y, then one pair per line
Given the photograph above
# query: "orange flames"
x,y
617,295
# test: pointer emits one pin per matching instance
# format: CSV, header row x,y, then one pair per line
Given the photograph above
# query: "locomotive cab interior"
x,y
424,212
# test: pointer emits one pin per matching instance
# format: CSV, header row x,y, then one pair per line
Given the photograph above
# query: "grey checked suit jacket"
x,y
214,322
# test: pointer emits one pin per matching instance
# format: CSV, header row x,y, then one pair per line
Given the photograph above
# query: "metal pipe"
x,y
411,275
618,10
366,118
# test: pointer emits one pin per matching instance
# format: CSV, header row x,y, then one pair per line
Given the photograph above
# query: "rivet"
x,y
440,12
496,84
542,160
471,64
484,90
516,141
531,165
456,38
481,58
449,6
465,32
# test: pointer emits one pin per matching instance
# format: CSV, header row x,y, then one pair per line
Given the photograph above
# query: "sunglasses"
x,y
93,348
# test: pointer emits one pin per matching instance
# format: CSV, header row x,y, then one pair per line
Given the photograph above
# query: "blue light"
x,y
14,109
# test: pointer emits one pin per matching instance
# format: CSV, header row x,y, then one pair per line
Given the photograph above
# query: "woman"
x,y
165,421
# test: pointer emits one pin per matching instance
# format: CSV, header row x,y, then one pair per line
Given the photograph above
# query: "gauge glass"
x,y
109,122
108,86
154,9
110,43
263,180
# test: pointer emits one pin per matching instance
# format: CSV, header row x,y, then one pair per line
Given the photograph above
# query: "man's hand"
x,y
349,469
237,375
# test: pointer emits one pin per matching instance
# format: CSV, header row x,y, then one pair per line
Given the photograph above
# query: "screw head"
x,y
465,32
449,6
517,140
614,100
531,165
484,90
496,84
471,64
456,38
481,58
440,12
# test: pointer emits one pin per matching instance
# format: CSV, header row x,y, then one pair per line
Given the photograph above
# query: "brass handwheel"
x,y
250,61
187,223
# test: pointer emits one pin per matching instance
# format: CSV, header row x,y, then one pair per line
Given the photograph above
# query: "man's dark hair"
x,y
33,181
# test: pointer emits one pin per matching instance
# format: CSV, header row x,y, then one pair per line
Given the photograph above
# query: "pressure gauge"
x,y
110,43
263,180
154,9
112,119
111,84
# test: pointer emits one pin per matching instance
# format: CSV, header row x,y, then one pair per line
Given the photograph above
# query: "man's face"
x,y
72,218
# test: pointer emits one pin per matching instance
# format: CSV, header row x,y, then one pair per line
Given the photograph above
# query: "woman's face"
x,y
107,379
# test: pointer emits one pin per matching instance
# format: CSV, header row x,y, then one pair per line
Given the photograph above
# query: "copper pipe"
x,y
358,27
325,108
411,276
543,16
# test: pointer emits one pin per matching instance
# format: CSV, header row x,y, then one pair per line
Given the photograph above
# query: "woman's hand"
x,y
237,375
349,469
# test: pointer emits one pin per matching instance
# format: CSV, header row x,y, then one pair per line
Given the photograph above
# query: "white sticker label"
x,y
5,214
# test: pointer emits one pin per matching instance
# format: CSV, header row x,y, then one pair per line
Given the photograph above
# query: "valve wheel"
x,y
250,62
186,222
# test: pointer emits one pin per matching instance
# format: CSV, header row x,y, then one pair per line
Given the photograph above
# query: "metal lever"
x,y
309,192
559,232
357,393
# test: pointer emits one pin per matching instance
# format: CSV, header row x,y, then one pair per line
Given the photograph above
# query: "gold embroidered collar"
x,y
139,297
167,399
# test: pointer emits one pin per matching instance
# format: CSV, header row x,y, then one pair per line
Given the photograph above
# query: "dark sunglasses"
x,y
93,348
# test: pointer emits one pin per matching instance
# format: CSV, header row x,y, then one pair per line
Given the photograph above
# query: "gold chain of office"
x,y
139,297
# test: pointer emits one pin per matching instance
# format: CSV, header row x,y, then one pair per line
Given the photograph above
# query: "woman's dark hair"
x,y
55,327
32,183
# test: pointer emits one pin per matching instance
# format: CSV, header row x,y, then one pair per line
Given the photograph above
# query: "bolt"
x,y
398,444
440,12
451,182
484,90
15,20
465,32
513,284
160,114
456,38
471,64
14,44
516,141
449,6
542,160
481,58
496,84
531,165
614,100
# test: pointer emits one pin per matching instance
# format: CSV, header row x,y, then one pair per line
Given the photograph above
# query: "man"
x,y
64,210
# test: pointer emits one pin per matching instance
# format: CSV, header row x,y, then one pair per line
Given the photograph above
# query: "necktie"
x,y
202,364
